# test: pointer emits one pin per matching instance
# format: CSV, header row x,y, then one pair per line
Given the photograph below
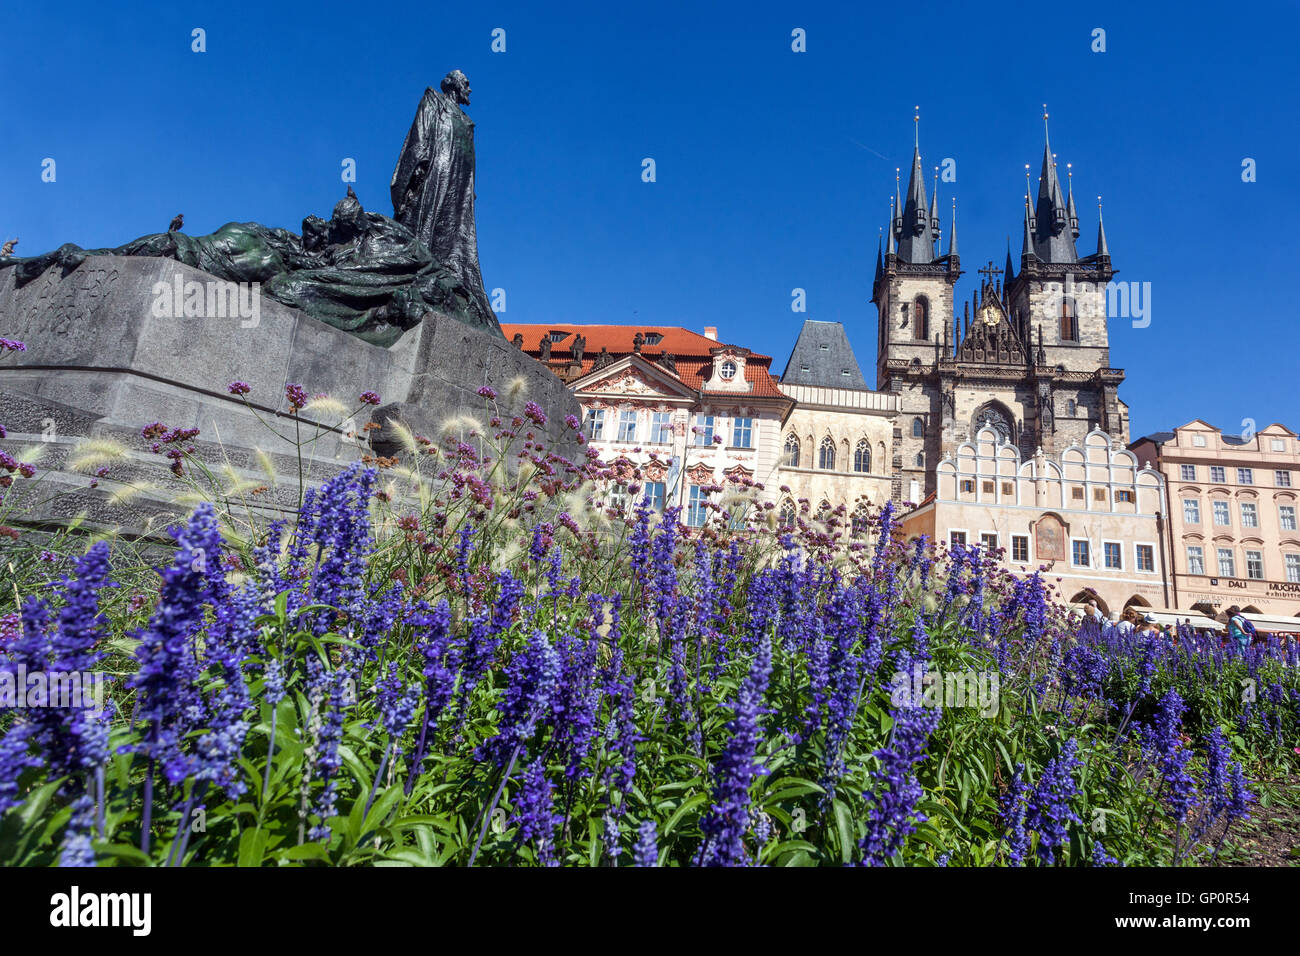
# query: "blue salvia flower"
x,y
76,849
892,813
15,757
1239,804
646,852
441,656
1050,811
819,675
395,703
535,813
485,637
332,691
575,702
612,837
621,731
341,534
1179,788
639,542
727,820
1100,857
169,701
531,678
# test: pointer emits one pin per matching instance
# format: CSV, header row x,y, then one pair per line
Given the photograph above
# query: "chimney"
x,y
711,332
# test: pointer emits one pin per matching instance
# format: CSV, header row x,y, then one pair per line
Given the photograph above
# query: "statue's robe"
x,y
433,196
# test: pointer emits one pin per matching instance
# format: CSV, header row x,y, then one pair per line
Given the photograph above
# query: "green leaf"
x,y
252,846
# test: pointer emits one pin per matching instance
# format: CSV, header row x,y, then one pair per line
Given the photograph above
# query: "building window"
x,y
1099,494
1069,321
696,506
1195,559
989,541
1071,407
1286,517
1227,563
862,457
742,433
1255,565
956,538
1188,472
1221,516
1076,493
1112,555
1198,441
1146,557
860,523
918,428
594,426
661,428
736,516
785,517
987,487
920,460
920,318
704,429
627,425
826,455
1008,489
1283,479
1245,476
968,486
1080,555
1293,568
727,370
1249,515
1191,511
1020,548
1278,444
792,451
1218,475
1124,495
655,494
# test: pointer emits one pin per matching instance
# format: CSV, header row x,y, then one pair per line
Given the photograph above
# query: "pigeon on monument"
x,y
177,222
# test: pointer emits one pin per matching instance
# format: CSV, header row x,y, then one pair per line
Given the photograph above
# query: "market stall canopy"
x,y
1273,623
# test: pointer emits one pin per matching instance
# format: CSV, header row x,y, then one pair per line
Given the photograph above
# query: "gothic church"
x,y
1027,356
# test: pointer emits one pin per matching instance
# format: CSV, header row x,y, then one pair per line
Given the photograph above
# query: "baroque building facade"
x,y
694,415
1029,354
1234,516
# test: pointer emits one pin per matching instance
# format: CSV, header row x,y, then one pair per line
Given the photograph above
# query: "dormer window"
x,y
727,370
653,338
557,335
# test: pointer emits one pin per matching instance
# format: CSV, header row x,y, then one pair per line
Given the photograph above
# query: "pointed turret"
x,y
1103,250
880,265
892,225
952,239
1027,246
915,235
1009,269
1052,239
1070,211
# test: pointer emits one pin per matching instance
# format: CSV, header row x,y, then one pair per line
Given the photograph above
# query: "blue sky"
x,y
774,168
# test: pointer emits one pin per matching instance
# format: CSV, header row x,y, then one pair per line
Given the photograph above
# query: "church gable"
x,y
991,338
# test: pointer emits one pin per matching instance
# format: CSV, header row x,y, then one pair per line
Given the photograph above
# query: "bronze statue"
x,y
579,347
518,341
177,221
544,348
358,271
603,359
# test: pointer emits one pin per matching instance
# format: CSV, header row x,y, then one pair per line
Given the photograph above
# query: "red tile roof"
x,y
690,350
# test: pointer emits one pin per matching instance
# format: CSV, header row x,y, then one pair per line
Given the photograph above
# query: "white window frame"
x,y
1251,508
697,500
661,428
1200,556
965,537
626,424
1245,476
1291,562
594,426
1218,474
1221,506
704,437
662,501
1282,478
1119,550
1087,544
1137,563
1284,521
1183,472
1028,558
1196,505
996,542
1259,554
1218,561
748,429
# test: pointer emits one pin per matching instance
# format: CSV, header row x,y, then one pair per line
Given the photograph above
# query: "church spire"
x,y
1052,242
1070,210
880,266
1009,271
915,232
952,239
892,222
1102,249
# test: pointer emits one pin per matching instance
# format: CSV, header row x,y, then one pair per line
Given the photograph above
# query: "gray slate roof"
x,y
823,348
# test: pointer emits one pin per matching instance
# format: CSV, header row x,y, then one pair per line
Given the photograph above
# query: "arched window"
x,y
862,457
1069,321
918,428
921,318
860,523
920,459
825,512
785,517
792,451
826,455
